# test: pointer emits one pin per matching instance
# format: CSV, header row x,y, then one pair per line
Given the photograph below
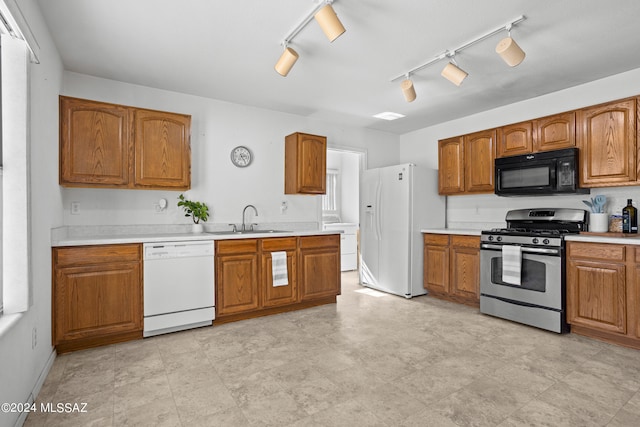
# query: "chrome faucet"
x,y
243,212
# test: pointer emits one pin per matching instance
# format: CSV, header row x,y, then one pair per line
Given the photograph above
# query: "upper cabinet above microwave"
x,y
545,134
114,146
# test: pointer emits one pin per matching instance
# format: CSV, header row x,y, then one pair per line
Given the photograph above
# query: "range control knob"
x,y
535,240
490,238
499,238
545,241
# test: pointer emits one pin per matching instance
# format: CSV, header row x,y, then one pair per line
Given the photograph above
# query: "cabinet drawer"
x,y
278,244
466,241
320,241
596,251
436,239
240,246
101,254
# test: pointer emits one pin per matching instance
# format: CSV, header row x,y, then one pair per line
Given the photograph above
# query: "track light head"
x,y
329,23
286,61
510,52
408,90
454,74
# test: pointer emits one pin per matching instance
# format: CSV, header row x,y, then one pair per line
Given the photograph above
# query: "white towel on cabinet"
x,y
512,264
279,272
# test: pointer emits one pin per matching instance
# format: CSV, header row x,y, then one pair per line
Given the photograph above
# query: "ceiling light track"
x,y
508,49
329,23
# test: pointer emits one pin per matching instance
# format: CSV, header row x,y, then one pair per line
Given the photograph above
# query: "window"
x,y
14,118
331,200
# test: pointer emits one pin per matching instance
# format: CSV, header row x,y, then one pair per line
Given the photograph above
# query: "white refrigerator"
x,y
396,203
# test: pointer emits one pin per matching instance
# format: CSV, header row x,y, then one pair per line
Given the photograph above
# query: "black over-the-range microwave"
x,y
543,173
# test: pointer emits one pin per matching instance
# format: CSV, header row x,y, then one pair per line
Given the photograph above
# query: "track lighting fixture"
x,y
328,21
408,90
508,50
453,73
286,61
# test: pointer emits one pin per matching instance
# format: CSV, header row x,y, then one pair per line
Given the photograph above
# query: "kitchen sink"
x,y
232,233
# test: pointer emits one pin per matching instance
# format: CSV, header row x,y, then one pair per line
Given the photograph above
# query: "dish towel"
x,y
279,271
512,264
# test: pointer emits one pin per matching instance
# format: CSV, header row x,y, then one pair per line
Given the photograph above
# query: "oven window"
x,y
533,276
527,177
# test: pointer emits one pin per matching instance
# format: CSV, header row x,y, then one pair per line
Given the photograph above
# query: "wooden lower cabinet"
x,y
97,296
236,276
244,280
602,291
319,267
274,296
452,267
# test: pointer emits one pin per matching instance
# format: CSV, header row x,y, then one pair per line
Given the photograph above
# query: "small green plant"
x,y
198,211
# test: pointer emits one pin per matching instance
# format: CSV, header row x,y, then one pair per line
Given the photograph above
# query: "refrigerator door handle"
x,y
378,213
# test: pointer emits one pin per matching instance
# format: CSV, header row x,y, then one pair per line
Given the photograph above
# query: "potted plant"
x,y
196,210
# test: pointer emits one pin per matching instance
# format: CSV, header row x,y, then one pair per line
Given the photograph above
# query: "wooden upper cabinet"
x,y
163,153
116,146
451,166
94,143
515,139
606,137
305,164
555,132
479,154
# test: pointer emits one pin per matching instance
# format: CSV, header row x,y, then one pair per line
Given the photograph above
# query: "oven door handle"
x,y
525,249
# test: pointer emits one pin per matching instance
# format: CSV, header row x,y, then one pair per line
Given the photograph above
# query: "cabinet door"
x,y
515,139
555,132
451,166
97,300
273,296
163,152
479,154
465,267
596,295
305,164
436,269
607,142
94,143
319,261
236,283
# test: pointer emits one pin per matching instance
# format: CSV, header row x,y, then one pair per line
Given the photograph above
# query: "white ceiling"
x,y
226,50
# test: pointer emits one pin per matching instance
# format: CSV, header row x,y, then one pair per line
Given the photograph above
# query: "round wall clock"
x,y
241,156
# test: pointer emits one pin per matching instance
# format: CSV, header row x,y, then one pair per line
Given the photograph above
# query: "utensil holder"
x,y
599,222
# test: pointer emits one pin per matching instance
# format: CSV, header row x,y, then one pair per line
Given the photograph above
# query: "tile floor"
x,y
370,360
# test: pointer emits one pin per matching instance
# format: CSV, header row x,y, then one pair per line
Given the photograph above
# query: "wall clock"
x,y
241,156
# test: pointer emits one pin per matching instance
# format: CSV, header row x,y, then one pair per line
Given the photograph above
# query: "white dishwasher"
x,y
178,286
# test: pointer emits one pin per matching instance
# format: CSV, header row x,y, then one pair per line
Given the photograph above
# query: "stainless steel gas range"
x,y
522,267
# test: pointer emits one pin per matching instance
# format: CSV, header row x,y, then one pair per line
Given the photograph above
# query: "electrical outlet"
x,y
283,207
34,338
75,208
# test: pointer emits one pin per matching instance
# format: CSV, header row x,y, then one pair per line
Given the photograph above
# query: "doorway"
x,y
341,203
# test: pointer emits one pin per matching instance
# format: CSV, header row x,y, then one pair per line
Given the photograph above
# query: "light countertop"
x,y
633,239
464,231
62,238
